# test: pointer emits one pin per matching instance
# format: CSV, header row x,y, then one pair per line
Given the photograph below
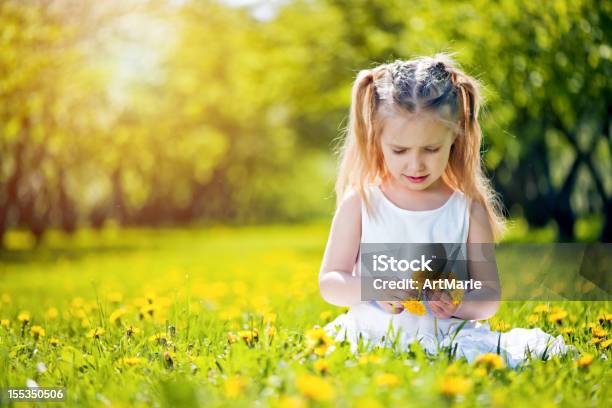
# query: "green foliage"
x,y
166,112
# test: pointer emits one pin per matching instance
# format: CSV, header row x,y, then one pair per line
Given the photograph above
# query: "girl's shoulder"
x,y
353,199
349,208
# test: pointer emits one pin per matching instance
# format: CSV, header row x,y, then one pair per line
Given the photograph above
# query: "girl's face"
x,y
416,149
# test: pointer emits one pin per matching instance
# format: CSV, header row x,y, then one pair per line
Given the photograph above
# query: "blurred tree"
x,y
150,112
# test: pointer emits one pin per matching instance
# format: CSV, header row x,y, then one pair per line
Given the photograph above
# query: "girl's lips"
x,y
416,179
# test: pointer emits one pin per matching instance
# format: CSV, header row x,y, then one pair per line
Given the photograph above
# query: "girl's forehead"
x,y
414,129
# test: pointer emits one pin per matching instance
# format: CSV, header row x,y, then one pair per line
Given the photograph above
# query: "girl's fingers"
x,y
401,295
435,307
392,307
397,307
440,296
439,309
445,297
438,312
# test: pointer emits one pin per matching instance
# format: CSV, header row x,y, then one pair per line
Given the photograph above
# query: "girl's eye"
x,y
399,151
432,150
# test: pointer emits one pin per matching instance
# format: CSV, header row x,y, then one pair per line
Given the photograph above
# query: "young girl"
x,y
411,172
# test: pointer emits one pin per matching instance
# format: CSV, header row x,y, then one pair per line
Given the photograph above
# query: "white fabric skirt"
x,y
376,327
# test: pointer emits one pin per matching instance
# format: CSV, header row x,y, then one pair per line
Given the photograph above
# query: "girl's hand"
x,y
393,307
441,304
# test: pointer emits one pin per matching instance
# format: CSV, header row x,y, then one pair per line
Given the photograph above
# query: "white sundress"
x,y
446,224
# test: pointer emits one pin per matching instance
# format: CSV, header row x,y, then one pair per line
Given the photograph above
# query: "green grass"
x,y
191,287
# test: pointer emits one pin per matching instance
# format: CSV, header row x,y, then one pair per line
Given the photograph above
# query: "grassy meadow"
x,y
219,316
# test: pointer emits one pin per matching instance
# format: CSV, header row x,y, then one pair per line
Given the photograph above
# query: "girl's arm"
x,y
338,280
482,303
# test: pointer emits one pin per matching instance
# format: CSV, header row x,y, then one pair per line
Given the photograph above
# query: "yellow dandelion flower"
x,y
232,338
131,330
249,336
77,302
456,296
557,317
599,332
169,359
269,318
54,341
325,316
96,333
91,306
24,317
585,361
291,401
541,309
321,366
234,386
318,341
415,307
451,370
131,361
114,297
567,330
115,317
85,323
150,296
368,402
37,331
605,317
595,340
147,310
5,323
533,318
499,325
452,386
51,313
386,380
490,361
159,338
270,331
230,313
374,359
369,359
606,344
314,387
481,372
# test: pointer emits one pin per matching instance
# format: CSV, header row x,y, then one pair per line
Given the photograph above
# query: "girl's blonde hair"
x,y
429,85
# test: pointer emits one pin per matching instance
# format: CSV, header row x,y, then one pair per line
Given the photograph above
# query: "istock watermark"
x,y
383,263
392,271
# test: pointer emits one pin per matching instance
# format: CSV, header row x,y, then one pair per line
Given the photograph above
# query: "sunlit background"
x,y
175,112
166,190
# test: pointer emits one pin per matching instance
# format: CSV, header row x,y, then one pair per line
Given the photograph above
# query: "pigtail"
x,y
465,168
357,169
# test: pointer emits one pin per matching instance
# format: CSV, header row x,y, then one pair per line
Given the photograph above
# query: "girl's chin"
x,y
417,187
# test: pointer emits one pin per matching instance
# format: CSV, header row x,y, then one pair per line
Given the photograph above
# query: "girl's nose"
x,y
415,163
